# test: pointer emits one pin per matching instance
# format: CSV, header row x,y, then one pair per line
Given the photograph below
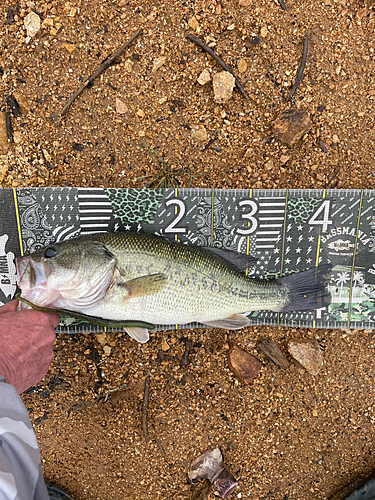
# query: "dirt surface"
x,y
288,434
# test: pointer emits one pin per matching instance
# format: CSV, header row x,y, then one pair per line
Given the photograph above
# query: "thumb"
x,y
9,307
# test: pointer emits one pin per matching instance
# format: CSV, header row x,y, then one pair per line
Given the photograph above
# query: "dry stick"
x,y
282,4
8,125
144,408
303,64
99,71
220,61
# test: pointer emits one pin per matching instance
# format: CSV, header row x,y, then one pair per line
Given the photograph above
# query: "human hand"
x,y
26,340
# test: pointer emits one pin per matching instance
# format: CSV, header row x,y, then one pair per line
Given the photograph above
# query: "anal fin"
x,y
139,334
234,322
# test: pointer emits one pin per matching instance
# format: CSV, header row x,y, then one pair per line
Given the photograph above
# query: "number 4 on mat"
x,y
322,212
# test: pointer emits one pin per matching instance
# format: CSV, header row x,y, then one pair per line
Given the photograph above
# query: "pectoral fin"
x,y
144,285
234,322
138,334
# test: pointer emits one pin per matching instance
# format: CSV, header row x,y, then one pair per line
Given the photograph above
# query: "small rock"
x,y
47,22
163,100
204,77
218,9
194,25
272,352
243,364
335,139
22,102
199,133
128,65
3,166
32,24
308,354
244,3
121,107
140,113
284,159
165,346
223,84
158,63
69,10
107,350
242,65
47,156
68,46
4,144
264,32
292,125
17,137
269,165
101,337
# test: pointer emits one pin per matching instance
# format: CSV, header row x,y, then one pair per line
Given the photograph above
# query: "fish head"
x,y
64,274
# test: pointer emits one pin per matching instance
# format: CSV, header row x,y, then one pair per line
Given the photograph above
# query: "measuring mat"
x,y
287,231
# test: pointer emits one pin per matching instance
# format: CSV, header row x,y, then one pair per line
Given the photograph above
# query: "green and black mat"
x,y
286,230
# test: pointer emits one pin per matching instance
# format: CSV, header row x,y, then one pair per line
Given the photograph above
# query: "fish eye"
x,y
50,252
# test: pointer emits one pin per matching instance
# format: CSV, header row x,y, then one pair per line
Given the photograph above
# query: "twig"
x,y
330,184
161,447
303,64
8,125
99,71
217,59
144,407
185,357
282,4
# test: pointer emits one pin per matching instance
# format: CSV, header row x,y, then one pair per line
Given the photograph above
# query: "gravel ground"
x,y
287,435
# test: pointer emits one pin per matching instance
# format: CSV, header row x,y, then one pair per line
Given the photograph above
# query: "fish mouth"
x,y
32,279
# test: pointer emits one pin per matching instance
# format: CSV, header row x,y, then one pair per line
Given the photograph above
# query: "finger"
x,y
9,307
54,319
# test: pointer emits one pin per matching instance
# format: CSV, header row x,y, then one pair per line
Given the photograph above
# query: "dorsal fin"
x,y
239,260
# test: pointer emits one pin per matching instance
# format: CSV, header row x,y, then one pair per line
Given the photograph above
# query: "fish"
x,y
150,280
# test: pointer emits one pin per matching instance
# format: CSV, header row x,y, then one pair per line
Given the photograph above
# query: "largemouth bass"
x,y
147,279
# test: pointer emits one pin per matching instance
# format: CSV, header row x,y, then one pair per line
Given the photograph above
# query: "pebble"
x,y
32,24
204,77
242,65
4,144
158,63
128,65
121,107
199,133
47,22
3,168
22,102
194,25
223,84
272,352
335,139
308,354
101,338
107,350
264,32
140,113
244,3
284,159
68,46
292,125
165,346
244,366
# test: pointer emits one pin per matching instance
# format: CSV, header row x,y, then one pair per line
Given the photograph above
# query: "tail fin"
x,y
308,289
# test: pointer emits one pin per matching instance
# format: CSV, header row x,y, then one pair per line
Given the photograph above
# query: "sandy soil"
x,y
287,435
